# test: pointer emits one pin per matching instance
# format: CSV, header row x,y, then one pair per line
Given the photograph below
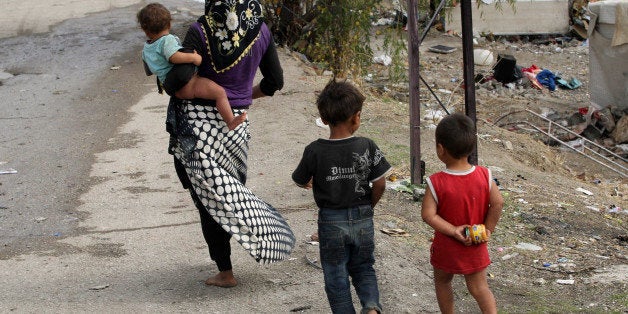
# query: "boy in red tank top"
x,y
458,197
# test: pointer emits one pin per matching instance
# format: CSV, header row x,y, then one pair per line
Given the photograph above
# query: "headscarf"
x,y
231,28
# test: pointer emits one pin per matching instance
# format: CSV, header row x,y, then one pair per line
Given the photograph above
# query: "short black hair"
x,y
338,101
154,18
457,134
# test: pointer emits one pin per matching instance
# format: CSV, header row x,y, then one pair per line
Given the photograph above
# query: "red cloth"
x,y
532,77
462,198
531,73
532,69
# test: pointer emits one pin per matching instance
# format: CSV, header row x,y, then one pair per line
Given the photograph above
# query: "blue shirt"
x,y
157,53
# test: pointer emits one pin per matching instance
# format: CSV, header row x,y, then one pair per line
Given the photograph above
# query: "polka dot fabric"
x,y
216,166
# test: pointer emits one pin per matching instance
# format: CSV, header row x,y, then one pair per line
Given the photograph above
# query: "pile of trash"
x,y
508,73
579,17
604,126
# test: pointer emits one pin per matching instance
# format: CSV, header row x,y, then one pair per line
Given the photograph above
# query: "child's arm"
x,y
431,217
496,203
186,57
377,190
308,185
302,176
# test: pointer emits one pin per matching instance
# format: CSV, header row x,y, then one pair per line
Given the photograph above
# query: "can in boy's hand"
x,y
477,233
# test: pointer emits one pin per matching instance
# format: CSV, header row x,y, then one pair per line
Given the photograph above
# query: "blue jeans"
x,y
347,249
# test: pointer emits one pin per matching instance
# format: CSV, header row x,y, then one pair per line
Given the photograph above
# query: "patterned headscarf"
x,y
231,28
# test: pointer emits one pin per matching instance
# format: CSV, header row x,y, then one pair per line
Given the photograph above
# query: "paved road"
x,y
75,129
59,103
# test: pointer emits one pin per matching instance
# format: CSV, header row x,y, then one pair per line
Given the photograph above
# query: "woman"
x,y
211,161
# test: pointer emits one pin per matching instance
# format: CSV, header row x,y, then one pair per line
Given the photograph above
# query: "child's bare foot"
x,y
223,279
237,120
314,237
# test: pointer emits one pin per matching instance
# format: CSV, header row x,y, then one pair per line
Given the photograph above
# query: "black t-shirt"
x,y
341,170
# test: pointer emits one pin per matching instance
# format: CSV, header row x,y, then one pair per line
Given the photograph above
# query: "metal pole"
x,y
467,58
415,113
425,31
429,24
434,95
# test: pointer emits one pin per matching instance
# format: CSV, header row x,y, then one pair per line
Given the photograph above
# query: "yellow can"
x,y
477,233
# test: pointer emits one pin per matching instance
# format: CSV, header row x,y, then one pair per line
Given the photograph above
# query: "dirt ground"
x,y
550,229
577,237
551,232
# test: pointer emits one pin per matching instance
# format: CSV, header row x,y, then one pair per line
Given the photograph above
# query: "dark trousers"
x,y
217,238
347,249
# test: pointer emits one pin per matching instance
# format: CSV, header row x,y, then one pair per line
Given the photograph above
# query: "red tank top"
x,y
461,198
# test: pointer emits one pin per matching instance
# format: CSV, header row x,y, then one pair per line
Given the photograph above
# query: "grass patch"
x,y
505,234
621,299
397,155
538,303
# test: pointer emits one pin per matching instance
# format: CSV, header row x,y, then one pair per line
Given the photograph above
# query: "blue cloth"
x,y
157,54
572,84
547,79
347,248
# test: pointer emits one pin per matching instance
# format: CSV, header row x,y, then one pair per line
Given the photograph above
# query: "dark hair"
x,y
339,101
457,134
154,18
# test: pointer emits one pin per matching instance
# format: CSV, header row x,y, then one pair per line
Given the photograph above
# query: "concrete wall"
x,y
527,17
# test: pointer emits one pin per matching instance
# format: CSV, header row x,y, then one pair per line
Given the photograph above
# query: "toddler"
x,y
176,68
458,197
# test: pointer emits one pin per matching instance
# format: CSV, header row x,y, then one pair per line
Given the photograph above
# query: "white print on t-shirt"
x,y
378,157
359,172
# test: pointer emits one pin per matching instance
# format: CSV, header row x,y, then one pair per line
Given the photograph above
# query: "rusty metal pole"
x,y
415,101
468,75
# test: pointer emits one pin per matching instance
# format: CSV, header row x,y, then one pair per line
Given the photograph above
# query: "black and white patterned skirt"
x,y
215,160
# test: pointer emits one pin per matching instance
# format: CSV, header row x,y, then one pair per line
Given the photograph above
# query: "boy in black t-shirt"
x,y
347,175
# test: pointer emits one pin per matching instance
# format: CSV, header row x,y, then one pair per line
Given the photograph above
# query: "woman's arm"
x,y
257,92
193,40
272,73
